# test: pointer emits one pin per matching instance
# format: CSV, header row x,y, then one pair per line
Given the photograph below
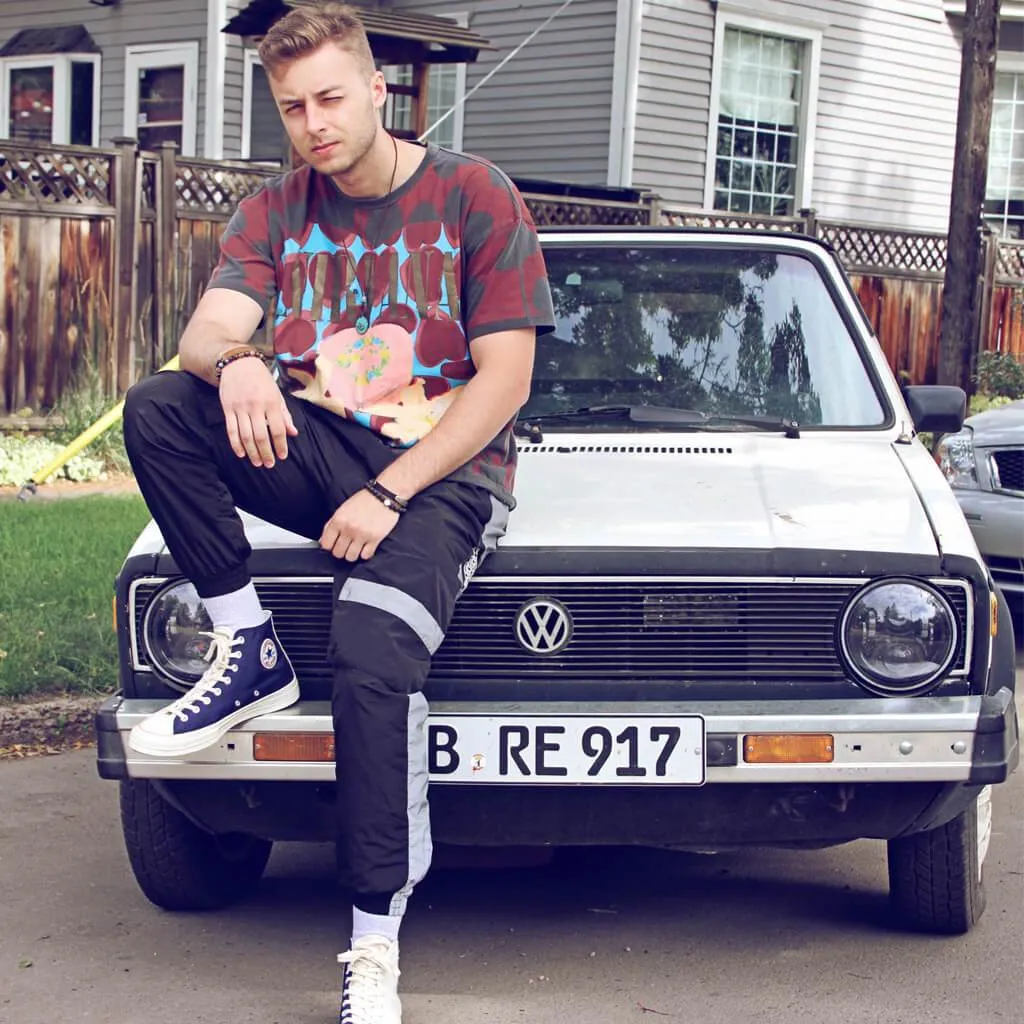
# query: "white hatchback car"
x,y
738,604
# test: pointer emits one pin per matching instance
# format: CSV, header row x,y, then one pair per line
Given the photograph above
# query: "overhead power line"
x,y
497,67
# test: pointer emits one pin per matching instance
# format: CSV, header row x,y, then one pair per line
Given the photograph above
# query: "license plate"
x,y
628,750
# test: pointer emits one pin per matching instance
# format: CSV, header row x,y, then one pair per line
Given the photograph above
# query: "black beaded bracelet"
x,y
240,352
387,498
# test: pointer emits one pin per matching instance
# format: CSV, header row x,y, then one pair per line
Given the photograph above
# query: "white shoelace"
x,y
222,654
365,981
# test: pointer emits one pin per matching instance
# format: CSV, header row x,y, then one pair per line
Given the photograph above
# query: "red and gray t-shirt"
x,y
375,302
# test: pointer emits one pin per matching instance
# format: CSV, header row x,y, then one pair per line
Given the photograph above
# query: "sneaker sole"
x,y
191,743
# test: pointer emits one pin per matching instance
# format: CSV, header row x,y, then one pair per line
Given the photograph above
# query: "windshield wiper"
x,y
789,427
691,418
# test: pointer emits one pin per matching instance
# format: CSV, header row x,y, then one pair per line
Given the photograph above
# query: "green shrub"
x,y
1000,375
21,457
982,403
82,405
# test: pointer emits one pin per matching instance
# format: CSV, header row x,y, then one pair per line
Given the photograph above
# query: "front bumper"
x,y
897,740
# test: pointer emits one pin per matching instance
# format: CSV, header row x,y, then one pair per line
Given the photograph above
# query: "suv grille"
x,y
646,629
1009,463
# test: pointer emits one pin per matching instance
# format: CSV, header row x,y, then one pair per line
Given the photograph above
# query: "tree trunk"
x,y
963,286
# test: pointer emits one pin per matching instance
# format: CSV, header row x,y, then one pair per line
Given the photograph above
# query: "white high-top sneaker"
x,y
369,989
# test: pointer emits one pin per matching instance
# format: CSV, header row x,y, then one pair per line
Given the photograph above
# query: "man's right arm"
x,y
256,417
223,319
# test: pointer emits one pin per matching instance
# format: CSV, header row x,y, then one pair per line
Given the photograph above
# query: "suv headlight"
x,y
899,636
172,632
957,461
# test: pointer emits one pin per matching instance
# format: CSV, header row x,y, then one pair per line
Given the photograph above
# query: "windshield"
x,y
724,331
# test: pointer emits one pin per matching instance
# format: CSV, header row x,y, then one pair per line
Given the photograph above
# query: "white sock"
x,y
374,924
238,610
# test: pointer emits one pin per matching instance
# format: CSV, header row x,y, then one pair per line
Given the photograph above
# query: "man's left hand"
x,y
358,527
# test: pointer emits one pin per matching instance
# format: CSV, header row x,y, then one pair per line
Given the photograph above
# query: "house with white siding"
x,y
754,106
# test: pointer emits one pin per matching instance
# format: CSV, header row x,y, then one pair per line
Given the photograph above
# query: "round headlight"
x,y
899,636
172,632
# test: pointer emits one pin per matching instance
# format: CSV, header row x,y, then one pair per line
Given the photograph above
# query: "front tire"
x,y
178,865
936,878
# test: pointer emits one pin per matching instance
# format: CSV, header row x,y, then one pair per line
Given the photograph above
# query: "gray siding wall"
x,y
887,105
887,109
139,22
547,112
673,99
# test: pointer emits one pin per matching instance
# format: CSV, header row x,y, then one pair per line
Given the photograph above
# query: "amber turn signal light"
x,y
292,746
788,748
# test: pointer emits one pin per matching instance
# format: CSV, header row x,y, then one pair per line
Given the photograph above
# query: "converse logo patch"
x,y
268,654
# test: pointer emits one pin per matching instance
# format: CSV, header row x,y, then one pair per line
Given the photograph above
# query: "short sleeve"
x,y
505,281
246,264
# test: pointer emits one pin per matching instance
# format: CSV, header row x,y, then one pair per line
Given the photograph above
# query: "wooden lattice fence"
x,y
106,253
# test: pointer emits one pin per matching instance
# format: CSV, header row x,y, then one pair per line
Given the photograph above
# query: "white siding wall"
x,y
887,104
546,113
113,28
234,70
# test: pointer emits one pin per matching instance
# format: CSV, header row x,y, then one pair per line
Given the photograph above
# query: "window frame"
x,y
1007,63
811,37
461,18
250,60
61,64
164,55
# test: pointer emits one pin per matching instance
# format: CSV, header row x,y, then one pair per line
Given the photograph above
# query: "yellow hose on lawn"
x,y
84,439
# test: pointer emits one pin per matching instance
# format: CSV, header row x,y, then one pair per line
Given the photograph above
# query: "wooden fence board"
x,y
41,393
905,314
14,376
1006,332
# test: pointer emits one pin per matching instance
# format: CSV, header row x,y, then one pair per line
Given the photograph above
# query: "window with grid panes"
x,y
1004,191
758,133
441,95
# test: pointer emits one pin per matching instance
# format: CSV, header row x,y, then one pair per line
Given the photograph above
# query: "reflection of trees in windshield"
x,y
674,328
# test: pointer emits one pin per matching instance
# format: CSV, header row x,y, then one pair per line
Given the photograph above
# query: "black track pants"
x,y
392,610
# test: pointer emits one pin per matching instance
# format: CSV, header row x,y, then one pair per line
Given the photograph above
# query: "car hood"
x,y
742,491
998,427
673,491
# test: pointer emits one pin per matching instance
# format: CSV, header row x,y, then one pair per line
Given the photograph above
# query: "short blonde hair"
x,y
307,27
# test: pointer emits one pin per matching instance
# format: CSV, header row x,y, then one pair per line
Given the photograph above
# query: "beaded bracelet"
x,y
228,357
387,498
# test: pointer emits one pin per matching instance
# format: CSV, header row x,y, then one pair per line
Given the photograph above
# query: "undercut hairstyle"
x,y
307,27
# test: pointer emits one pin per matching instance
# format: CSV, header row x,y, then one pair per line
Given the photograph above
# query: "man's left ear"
x,y
379,87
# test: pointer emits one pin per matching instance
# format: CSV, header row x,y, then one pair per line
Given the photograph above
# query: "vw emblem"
x,y
543,626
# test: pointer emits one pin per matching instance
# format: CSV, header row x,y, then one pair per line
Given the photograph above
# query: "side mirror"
x,y
936,408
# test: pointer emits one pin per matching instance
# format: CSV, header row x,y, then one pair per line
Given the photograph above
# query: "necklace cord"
x,y
367,303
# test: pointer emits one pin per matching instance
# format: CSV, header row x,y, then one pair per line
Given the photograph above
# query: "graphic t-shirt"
x,y
375,302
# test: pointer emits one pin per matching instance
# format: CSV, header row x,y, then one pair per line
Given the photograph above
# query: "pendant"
x,y
362,325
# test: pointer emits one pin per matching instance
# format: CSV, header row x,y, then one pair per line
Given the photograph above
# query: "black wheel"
x,y
936,878
178,865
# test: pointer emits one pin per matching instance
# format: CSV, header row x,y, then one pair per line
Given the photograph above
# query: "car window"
x,y
721,330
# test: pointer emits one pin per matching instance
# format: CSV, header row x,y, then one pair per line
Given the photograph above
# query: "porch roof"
x,y
395,36
33,42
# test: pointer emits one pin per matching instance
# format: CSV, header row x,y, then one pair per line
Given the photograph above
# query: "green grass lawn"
x,y
58,560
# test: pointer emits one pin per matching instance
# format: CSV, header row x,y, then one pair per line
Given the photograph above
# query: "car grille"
x,y
1009,463
645,629
1007,572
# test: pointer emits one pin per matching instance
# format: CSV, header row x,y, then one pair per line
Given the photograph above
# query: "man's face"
x,y
329,108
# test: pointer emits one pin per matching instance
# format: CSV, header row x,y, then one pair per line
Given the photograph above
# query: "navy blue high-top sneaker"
x,y
249,675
